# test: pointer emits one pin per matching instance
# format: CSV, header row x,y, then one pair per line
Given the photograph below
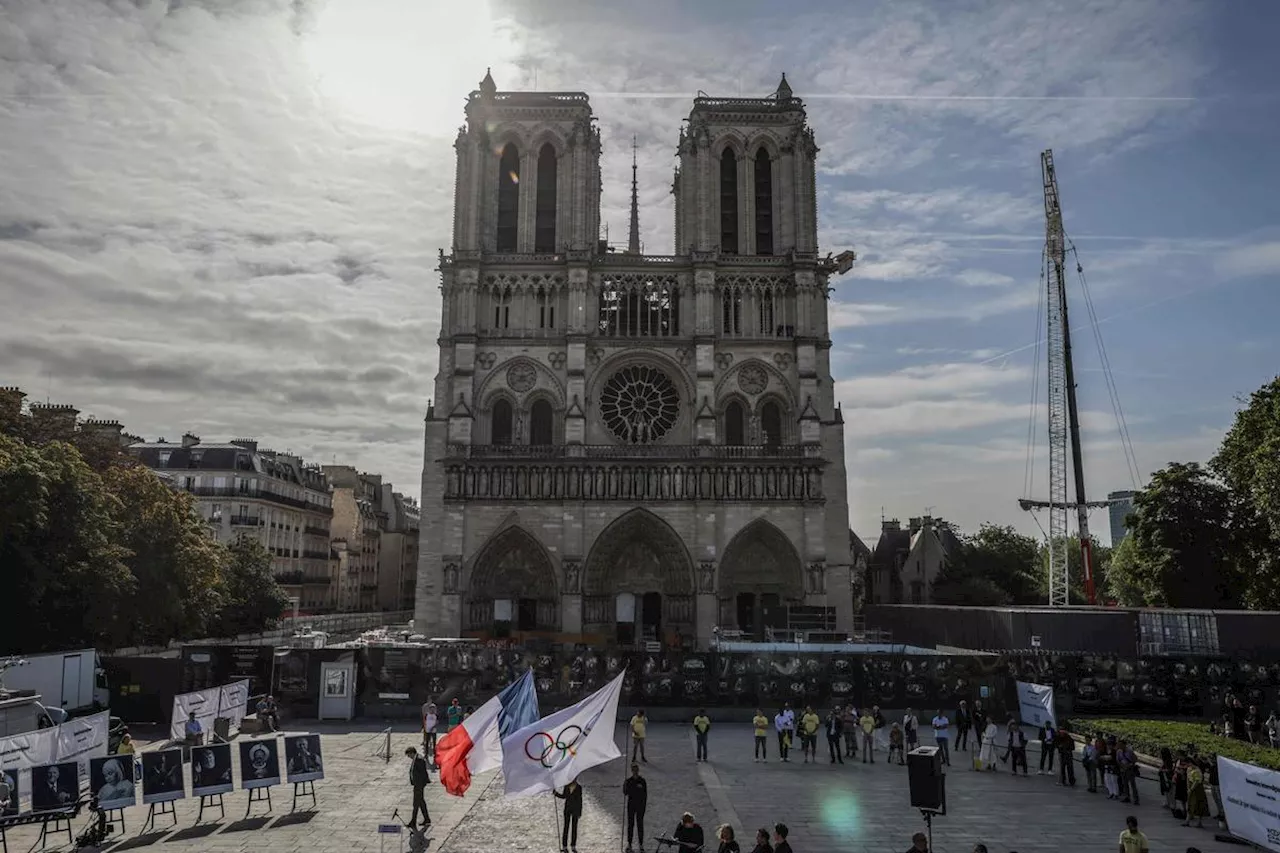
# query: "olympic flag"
x,y
553,751
476,745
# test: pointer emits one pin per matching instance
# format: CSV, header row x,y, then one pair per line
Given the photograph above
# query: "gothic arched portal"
x,y
512,581
760,574
638,574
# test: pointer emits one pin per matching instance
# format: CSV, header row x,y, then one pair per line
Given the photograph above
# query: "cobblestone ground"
x,y
851,807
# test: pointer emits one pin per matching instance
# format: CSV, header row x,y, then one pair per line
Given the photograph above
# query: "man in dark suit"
x,y
419,778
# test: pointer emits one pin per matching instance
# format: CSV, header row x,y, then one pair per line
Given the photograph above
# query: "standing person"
x,y
963,723
1017,748
1065,744
762,842
809,725
1180,786
636,793
1131,839
785,724
1197,798
868,725
125,746
1253,725
979,724
572,796
988,754
835,728
910,727
1273,730
454,714
760,728
1089,761
430,722
638,728
419,778
849,723
780,843
895,744
1046,748
1211,783
1110,769
942,734
727,842
1166,777
701,725
1127,763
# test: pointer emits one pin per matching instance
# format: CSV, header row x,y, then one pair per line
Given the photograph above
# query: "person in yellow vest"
x,y
809,725
702,725
760,723
638,723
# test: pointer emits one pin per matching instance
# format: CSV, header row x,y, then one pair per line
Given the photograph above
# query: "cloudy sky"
x,y
223,215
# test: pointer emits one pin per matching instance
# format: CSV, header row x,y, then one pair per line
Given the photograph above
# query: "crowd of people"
x,y
1247,724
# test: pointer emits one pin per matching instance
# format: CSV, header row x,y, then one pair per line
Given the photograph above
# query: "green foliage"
x,y
1075,562
1248,463
994,566
1149,736
1128,576
252,600
60,556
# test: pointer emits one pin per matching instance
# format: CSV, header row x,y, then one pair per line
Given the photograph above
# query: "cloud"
x,y
983,278
1252,259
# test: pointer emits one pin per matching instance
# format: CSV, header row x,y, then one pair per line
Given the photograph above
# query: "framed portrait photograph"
x,y
259,763
111,781
302,758
211,770
55,786
162,776
12,805
335,684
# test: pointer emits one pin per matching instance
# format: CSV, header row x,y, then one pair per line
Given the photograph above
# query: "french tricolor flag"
x,y
476,744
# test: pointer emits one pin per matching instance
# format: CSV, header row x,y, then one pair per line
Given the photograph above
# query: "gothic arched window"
x,y
544,227
541,432
508,198
771,424
735,422
764,203
500,431
729,202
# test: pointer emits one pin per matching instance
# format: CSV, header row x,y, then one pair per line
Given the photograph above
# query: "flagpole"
x,y
556,810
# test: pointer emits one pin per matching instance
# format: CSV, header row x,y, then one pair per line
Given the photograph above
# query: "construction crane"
x,y
1064,414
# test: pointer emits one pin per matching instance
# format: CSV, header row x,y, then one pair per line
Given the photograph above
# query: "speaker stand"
x,y
928,826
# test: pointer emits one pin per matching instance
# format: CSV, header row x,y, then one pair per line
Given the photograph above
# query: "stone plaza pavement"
x,y
851,808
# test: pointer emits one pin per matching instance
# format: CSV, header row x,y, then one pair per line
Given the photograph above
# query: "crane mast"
x,y
1064,414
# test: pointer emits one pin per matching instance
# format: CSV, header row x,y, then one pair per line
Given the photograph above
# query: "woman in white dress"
x,y
988,754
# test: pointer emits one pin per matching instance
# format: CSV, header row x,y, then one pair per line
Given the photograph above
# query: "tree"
x,y
176,564
1075,570
1248,462
64,570
994,566
1182,528
252,600
1131,581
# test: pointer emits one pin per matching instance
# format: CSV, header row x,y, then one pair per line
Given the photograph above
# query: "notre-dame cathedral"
x,y
627,447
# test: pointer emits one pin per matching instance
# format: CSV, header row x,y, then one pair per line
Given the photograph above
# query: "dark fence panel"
x,y
142,688
1103,632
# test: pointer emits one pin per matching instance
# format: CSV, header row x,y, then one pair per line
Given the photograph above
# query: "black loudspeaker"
x,y
928,784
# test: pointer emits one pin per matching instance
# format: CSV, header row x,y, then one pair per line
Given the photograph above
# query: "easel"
x,y
119,815
165,808
210,800
303,789
63,818
258,795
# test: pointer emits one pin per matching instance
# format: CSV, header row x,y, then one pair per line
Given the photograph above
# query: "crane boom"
x,y
1064,414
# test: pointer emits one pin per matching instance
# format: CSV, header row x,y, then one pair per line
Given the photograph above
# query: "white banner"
x,y
230,701
1251,800
1035,704
27,750
83,738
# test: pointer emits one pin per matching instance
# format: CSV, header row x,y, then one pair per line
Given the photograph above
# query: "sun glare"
x,y
405,64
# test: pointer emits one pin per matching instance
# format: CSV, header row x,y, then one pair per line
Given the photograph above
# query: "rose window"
x,y
639,404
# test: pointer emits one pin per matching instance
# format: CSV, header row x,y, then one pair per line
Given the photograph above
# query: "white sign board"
x,y
230,701
1251,800
83,738
1035,704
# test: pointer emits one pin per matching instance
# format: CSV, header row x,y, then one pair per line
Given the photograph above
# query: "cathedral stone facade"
x,y
629,447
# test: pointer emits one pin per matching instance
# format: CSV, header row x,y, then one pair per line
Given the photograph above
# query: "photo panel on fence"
x,y
302,758
111,781
13,806
211,770
259,763
162,776
54,786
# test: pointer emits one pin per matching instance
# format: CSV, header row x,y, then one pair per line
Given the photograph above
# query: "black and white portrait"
x,y
259,763
162,776
211,770
12,803
111,781
302,758
54,786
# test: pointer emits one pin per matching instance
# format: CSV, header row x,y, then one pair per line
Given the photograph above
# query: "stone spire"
x,y
784,89
488,88
633,236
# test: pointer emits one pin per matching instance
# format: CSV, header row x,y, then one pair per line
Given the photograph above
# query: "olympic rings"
x,y
564,743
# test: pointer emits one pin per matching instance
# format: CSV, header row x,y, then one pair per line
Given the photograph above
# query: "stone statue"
x,y
571,572
706,576
451,578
